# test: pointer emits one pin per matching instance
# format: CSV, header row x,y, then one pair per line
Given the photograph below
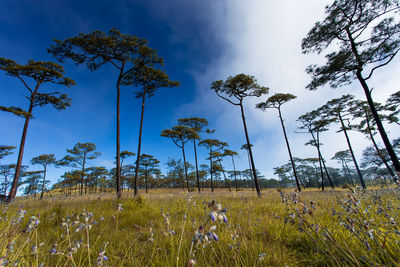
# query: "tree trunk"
x,y
139,145
251,154
377,148
184,163
83,173
118,170
197,168
381,129
296,177
234,172
44,182
14,185
211,171
145,178
351,150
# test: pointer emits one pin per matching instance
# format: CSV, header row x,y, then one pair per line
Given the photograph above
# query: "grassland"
x,y
172,228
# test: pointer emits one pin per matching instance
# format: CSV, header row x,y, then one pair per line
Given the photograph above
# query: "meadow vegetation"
x,y
171,228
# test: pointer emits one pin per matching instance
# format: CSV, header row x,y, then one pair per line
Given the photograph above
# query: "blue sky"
x,y
200,41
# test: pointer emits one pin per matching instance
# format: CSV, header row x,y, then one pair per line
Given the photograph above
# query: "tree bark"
x,y
250,152
184,163
377,148
211,172
14,185
139,145
296,177
118,170
197,168
44,182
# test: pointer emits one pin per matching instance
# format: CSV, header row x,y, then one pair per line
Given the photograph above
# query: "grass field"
x,y
172,228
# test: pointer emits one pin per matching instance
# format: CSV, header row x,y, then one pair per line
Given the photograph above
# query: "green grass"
x,y
260,231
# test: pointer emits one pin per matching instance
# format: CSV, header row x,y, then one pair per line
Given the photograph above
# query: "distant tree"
x,y
218,156
176,170
148,164
95,175
314,124
235,90
276,101
343,157
33,75
338,110
284,174
210,144
366,37
71,180
45,160
7,171
5,151
78,157
32,182
196,124
180,135
232,153
124,155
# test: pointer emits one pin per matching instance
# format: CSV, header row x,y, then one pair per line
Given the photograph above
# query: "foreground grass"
x,y
163,229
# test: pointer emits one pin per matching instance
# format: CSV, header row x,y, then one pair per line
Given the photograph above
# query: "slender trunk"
x,y
251,154
118,170
139,145
223,172
197,168
348,173
83,173
377,148
145,178
296,177
351,150
322,173
381,129
5,185
184,163
234,172
14,185
44,182
250,172
211,171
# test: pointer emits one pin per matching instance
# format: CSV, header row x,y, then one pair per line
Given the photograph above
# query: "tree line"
x,y
363,35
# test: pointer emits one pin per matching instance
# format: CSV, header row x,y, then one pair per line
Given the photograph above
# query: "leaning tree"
x,y
314,125
33,75
364,36
235,90
276,101
45,160
338,110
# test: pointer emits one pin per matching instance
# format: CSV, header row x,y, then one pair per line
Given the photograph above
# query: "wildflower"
x,y
120,207
191,263
261,256
33,223
102,258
